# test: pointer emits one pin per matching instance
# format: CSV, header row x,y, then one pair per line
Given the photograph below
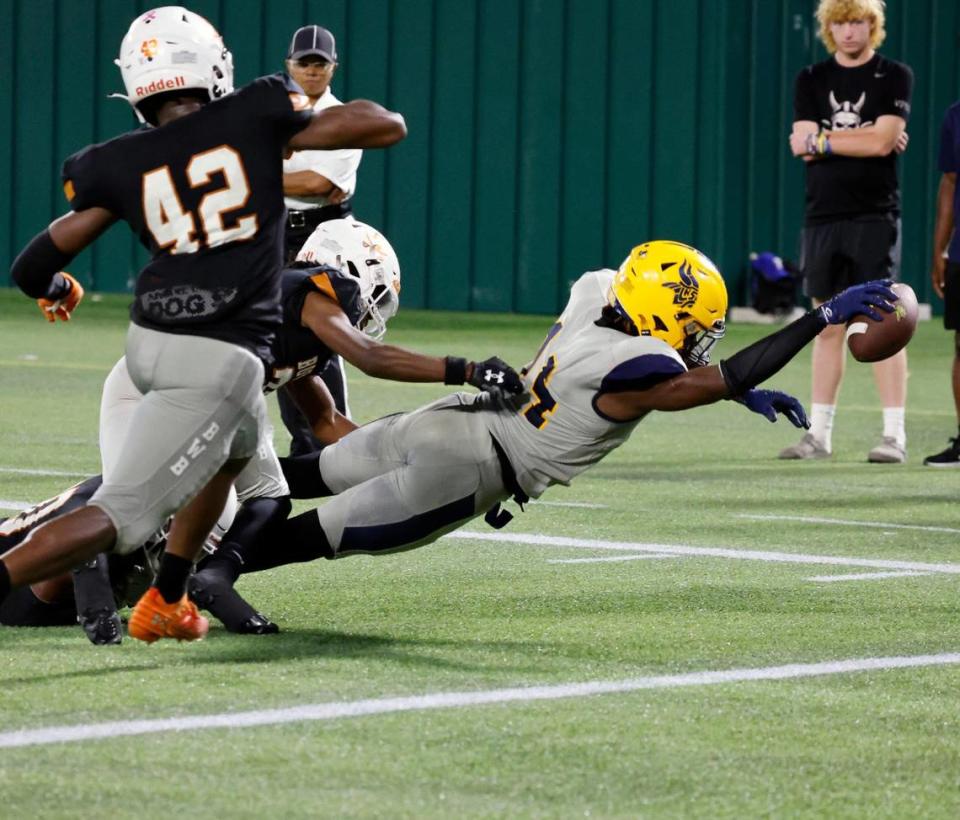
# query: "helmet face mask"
x,y
171,49
698,344
363,252
675,293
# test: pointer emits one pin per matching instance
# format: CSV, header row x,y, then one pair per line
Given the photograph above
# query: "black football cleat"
x,y
258,624
214,593
101,625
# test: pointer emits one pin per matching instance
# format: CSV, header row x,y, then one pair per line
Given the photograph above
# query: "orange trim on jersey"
x,y
68,190
168,216
244,227
325,286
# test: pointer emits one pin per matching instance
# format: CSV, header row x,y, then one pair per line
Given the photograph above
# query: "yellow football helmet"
x,y
673,292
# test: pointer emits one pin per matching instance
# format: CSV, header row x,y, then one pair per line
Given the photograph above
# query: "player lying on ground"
x,y
202,188
93,592
629,342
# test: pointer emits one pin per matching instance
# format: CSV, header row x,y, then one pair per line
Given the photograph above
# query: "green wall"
x,y
546,136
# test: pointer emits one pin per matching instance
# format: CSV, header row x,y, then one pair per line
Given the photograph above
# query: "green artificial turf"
x,y
468,615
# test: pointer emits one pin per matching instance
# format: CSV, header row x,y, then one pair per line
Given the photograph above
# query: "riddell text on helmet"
x,y
160,85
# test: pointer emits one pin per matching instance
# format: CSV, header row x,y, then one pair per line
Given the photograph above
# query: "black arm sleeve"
x,y
758,362
37,269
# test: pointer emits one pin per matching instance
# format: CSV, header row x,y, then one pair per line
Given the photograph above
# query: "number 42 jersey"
x,y
204,193
557,431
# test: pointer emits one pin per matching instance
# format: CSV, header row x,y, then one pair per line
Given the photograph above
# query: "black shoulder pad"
x,y
302,277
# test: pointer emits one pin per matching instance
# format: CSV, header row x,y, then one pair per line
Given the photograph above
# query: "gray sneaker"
x,y
887,452
807,447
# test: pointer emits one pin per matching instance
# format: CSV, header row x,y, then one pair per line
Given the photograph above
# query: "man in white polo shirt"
x,y
318,186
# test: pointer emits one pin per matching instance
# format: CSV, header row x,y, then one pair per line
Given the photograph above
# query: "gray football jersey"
x,y
556,431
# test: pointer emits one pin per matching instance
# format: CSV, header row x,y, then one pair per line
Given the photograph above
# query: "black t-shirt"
x,y
297,352
839,98
205,195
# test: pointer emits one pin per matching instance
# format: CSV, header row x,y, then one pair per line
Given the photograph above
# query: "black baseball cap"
x,y
312,40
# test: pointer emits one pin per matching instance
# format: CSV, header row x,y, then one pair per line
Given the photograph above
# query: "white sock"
x,y
821,423
893,424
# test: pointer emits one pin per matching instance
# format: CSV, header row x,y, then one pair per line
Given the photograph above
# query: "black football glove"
x,y
494,374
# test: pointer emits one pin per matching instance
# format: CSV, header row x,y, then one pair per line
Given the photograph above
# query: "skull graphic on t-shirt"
x,y
846,114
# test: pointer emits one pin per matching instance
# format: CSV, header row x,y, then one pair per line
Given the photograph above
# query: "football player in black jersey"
x,y
202,188
51,602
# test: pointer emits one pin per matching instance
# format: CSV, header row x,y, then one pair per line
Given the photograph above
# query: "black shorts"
x,y
951,296
836,255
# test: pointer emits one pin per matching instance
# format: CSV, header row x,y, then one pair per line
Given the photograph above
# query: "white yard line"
x,y
14,505
531,539
63,473
577,504
448,700
843,522
866,576
641,557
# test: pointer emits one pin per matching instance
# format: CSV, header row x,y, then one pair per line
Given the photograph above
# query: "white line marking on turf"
x,y
712,552
866,576
579,504
641,557
447,700
14,505
63,473
842,522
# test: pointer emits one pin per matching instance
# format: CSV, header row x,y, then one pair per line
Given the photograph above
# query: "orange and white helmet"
x,y
363,252
169,49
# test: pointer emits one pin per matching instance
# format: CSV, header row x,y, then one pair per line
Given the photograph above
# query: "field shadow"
x,y
77,674
221,647
299,644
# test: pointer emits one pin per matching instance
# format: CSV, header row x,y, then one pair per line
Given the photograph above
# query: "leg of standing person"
x,y
878,256
823,272
950,457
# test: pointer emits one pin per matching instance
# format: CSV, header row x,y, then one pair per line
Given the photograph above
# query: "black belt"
x,y
312,217
497,517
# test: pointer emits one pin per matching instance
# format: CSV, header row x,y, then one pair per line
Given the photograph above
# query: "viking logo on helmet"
x,y
685,291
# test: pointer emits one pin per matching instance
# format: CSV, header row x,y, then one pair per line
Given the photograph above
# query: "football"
x,y
873,341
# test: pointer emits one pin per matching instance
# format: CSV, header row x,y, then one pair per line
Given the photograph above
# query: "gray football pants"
x,y
202,405
405,480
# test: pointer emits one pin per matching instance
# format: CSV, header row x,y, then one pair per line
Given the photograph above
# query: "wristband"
x,y
455,371
36,269
818,145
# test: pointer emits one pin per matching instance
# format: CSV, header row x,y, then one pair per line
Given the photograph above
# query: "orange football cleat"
x,y
153,618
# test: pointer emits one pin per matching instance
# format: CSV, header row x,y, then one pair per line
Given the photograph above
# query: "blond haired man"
x,y
850,116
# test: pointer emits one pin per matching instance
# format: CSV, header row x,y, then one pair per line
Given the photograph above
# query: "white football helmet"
x,y
361,251
172,48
